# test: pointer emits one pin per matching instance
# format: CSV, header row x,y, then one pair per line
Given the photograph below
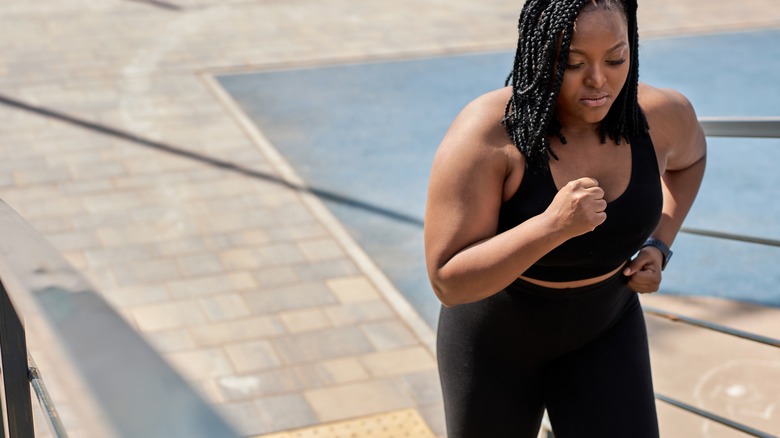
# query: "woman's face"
x,y
597,69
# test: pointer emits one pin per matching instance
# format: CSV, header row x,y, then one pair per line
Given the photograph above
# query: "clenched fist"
x,y
578,207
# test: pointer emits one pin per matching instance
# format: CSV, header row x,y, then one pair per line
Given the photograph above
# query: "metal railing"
x,y
119,385
754,127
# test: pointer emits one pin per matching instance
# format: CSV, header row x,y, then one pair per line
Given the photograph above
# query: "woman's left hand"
x,y
644,271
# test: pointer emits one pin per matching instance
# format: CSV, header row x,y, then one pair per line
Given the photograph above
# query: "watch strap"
x,y
664,248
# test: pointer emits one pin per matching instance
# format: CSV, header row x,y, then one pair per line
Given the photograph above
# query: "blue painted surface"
x,y
365,134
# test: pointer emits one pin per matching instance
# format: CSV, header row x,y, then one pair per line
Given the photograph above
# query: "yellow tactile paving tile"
x,y
406,423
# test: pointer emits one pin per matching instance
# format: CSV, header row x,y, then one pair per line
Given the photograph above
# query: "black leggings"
x,y
581,353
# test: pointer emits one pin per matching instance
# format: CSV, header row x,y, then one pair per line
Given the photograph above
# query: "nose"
x,y
595,77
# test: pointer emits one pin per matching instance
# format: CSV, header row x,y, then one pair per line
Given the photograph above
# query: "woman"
x,y
552,203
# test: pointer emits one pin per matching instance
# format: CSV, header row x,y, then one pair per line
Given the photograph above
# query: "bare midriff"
x,y
574,283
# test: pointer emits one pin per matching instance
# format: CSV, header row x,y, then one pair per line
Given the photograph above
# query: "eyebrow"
x,y
615,47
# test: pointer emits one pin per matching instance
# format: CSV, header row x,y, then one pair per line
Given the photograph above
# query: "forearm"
x,y
490,265
679,191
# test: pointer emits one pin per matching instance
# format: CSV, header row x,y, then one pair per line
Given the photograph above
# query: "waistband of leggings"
x,y
520,285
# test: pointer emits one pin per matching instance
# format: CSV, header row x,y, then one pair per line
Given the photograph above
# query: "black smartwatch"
x,y
667,253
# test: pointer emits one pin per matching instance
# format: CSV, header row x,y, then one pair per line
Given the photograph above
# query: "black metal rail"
x,y
731,236
714,417
13,349
712,326
44,399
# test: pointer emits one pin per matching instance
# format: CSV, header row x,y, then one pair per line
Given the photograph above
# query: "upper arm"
x,y
674,127
466,186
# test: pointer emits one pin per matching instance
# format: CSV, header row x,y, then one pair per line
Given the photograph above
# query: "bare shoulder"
x,y
478,131
482,117
664,103
477,142
674,126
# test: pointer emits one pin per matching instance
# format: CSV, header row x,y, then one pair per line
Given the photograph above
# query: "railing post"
x,y
2,420
13,349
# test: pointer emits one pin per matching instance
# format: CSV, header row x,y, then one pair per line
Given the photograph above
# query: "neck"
x,y
581,130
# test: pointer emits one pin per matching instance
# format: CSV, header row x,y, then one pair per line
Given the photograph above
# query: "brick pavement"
x,y
118,149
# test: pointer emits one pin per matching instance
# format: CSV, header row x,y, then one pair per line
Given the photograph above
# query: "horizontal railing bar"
x,y
45,400
730,236
748,127
712,326
714,417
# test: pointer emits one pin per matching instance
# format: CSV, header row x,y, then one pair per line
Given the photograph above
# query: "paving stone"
x,y
73,241
138,181
353,289
356,399
201,364
284,412
321,249
342,370
324,344
247,386
260,257
349,314
168,316
88,186
102,279
269,278
147,271
50,175
278,198
144,233
395,362
181,246
238,330
89,171
251,237
211,284
112,202
252,356
170,341
305,320
76,259
111,256
6,179
326,269
200,264
424,387
128,296
51,225
224,307
232,222
48,208
209,391
245,417
295,296
434,418
388,335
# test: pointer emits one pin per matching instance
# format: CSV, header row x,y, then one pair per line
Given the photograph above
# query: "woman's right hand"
x,y
579,206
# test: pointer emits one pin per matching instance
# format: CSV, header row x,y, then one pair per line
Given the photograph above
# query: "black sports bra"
x,y
631,218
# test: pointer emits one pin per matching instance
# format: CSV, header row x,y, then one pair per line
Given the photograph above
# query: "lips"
x,y
595,100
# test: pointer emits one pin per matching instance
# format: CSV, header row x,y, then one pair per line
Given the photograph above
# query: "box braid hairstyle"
x,y
546,28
